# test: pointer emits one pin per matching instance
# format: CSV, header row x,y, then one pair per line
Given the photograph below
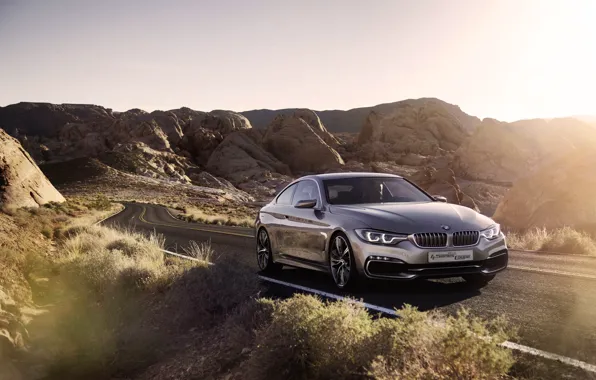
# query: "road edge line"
x,y
186,257
109,216
170,214
549,355
551,253
331,295
552,272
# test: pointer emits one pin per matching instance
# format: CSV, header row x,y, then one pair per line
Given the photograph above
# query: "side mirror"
x,y
306,203
440,198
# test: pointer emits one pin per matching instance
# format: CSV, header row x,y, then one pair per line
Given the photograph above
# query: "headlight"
x,y
491,232
377,237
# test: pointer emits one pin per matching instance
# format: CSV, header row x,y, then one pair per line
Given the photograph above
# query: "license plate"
x,y
450,256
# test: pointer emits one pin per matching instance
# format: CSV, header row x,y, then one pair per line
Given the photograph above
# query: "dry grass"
x,y
26,240
201,251
564,240
103,284
122,305
220,215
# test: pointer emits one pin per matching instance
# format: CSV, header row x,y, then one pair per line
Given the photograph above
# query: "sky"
x,y
505,59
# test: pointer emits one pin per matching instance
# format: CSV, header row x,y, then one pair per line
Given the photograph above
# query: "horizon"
x,y
590,119
231,55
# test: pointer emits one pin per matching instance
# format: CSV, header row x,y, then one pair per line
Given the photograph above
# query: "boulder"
x,y
293,141
312,119
239,158
169,124
206,179
136,126
502,153
22,183
557,195
204,132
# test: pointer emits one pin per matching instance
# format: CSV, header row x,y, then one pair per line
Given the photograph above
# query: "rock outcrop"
x,y
299,145
313,120
557,195
138,158
205,132
505,152
239,159
427,130
22,184
136,126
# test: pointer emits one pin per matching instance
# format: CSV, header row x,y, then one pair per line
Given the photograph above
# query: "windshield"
x,y
359,190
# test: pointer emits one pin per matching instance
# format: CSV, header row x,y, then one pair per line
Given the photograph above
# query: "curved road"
x,y
550,298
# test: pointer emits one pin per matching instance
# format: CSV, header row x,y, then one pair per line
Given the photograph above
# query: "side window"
x,y
285,198
306,190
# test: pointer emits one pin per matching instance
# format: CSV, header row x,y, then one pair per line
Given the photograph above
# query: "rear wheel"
x,y
478,280
264,255
341,262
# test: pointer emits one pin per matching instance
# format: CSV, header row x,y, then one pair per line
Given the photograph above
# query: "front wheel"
x,y
478,280
341,262
264,255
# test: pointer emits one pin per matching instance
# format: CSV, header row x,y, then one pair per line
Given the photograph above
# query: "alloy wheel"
x,y
263,251
340,259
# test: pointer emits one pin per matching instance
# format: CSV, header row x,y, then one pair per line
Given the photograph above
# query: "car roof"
x,y
351,175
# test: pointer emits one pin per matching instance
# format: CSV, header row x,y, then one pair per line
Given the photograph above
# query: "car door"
x,y
280,212
306,228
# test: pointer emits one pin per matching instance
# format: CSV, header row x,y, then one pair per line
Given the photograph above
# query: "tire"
x,y
342,265
478,281
264,255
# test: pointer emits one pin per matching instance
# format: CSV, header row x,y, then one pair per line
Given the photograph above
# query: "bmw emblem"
x,y
445,227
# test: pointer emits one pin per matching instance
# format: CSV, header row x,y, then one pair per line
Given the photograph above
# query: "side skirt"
x,y
302,263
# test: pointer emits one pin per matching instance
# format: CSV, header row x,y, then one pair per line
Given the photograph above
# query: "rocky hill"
x,y
22,184
219,155
558,195
423,129
505,152
352,120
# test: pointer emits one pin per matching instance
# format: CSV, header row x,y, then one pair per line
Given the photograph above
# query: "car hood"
x,y
415,217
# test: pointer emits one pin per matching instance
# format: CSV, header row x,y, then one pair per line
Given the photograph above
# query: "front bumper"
x,y
406,261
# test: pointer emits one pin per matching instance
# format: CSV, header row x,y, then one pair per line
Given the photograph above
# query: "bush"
x,y
101,203
309,339
564,240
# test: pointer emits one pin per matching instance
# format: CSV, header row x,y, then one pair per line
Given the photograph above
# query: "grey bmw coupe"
x,y
377,226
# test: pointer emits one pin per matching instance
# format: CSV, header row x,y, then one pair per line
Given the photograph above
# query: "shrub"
x,y
309,339
101,203
47,231
564,240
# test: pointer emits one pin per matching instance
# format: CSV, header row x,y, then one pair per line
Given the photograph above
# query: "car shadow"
x,y
422,294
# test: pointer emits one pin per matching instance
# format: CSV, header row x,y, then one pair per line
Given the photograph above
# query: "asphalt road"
x,y
550,298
